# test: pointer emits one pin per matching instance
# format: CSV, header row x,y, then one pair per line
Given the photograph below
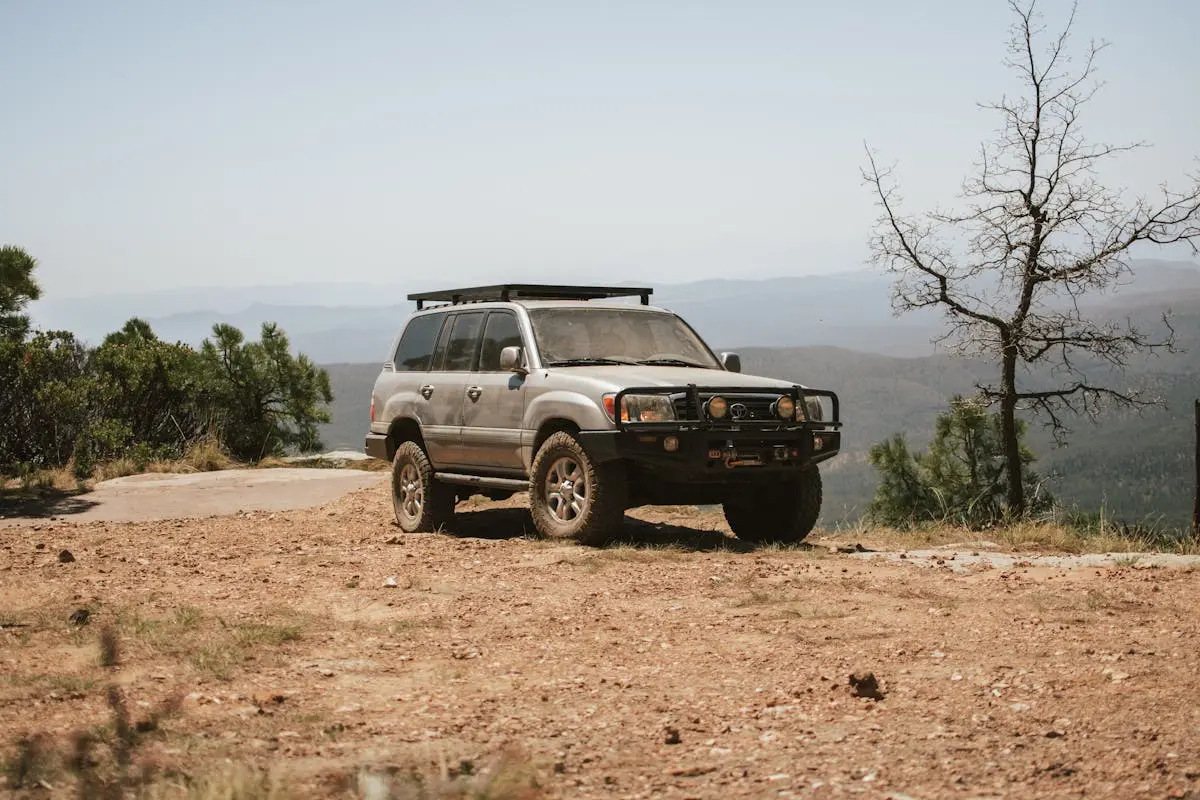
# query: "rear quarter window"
x,y
415,351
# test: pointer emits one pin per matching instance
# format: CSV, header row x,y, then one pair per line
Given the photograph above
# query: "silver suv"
x,y
593,405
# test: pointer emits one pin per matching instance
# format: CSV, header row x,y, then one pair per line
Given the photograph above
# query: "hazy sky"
x,y
153,144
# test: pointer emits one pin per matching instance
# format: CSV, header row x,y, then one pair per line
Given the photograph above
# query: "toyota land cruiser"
x,y
593,405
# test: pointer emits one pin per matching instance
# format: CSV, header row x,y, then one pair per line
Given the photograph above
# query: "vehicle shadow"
x,y
516,523
46,504
492,523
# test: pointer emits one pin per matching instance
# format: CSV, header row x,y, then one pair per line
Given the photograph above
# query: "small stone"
x,y
80,616
671,735
864,684
390,582
65,557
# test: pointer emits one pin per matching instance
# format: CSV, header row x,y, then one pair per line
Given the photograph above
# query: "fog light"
x,y
818,443
670,443
716,407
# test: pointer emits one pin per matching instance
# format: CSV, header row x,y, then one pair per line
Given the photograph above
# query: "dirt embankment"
x,y
320,641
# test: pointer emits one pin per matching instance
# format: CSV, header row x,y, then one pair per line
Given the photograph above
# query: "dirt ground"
x,y
678,663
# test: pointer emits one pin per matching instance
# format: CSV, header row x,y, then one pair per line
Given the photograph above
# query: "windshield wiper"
x,y
588,362
671,362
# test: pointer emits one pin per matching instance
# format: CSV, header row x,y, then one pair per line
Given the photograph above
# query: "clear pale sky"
x,y
150,145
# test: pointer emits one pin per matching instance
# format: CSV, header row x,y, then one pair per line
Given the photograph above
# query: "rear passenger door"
x,y
446,389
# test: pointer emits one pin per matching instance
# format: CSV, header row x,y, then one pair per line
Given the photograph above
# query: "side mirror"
x,y
731,362
512,360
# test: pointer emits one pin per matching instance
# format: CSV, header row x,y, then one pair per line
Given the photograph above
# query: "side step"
x,y
507,484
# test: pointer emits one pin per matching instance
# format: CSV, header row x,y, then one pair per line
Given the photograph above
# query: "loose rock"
x,y
864,684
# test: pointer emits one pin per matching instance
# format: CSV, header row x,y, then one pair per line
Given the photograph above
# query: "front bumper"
x,y
699,450
714,455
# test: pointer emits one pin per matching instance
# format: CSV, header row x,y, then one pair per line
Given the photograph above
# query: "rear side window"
x,y
415,352
501,332
460,350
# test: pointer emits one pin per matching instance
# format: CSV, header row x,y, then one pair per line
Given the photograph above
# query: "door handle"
x,y
474,392
427,390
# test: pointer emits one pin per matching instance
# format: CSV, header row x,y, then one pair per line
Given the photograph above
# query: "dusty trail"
x,y
156,496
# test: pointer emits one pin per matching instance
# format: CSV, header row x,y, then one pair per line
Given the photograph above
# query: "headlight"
x,y
813,409
716,407
784,407
642,407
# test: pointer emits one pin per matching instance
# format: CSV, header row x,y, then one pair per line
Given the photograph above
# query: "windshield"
x,y
610,335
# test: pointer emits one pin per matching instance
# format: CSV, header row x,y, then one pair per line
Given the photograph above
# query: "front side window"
x,y
568,336
415,351
460,349
500,332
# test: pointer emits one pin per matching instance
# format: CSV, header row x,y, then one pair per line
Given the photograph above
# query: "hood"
x,y
616,378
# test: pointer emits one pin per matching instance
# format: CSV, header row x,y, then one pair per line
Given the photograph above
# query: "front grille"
x,y
758,407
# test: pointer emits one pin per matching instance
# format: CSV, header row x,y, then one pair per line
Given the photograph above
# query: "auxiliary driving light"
x,y
670,443
784,407
818,443
716,407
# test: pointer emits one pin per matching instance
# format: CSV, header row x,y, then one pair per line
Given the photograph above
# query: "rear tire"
x,y
571,496
421,503
782,513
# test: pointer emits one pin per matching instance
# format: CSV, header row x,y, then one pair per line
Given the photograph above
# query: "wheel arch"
x,y
549,428
403,429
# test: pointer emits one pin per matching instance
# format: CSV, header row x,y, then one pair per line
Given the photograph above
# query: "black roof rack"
x,y
530,291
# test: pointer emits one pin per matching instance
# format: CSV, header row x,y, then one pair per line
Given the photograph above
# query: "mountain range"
x,y
355,323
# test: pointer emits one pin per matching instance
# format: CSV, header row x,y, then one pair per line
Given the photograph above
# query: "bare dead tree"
x,y
1037,231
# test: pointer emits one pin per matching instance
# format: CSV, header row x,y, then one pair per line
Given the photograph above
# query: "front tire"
x,y
783,513
421,503
573,497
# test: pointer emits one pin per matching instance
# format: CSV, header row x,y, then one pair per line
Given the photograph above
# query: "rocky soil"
x,y
678,663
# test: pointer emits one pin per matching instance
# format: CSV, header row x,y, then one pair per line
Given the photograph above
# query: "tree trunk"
x,y
1008,432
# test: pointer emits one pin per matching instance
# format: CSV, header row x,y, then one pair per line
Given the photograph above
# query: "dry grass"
x,y
508,776
207,455
43,482
211,645
106,761
203,455
1032,536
